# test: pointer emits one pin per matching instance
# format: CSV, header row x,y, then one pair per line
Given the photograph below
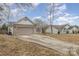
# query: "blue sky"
x,y
73,8
38,11
67,13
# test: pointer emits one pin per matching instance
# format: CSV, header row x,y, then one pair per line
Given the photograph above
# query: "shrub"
x,y
67,32
58,32
4,29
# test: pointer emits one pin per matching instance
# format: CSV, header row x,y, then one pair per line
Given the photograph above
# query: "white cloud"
x,y
60,10
41,18
49,16
62,16
67,14
62,7
35,4
37,17
58,4
14,12
67,18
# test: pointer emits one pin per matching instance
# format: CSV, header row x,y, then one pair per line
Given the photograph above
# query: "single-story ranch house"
x,y
63,29
22,27
25,26
58,28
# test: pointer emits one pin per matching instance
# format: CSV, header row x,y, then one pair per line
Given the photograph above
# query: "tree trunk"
x,y
51,17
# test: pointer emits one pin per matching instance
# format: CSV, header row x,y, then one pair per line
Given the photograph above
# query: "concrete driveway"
x,y
64,48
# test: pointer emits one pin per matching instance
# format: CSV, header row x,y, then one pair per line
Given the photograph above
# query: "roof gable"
x,y
58,27
67,26
71,27
25,20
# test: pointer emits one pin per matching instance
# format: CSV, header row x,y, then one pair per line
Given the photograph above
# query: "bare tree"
x,y
5,9
9,11
51,13
54,11
41,25
24,6
1,10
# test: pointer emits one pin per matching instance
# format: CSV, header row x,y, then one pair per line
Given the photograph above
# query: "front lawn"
x,y
12,46
74,38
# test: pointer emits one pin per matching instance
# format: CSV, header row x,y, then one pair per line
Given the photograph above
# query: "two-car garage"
x,y
23,30
23,26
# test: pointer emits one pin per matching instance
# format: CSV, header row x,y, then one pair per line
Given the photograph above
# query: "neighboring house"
x,y
54,30
22,27
58,28
63,29
73,29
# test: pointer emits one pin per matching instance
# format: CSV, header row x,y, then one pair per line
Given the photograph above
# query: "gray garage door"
x,y
23,31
